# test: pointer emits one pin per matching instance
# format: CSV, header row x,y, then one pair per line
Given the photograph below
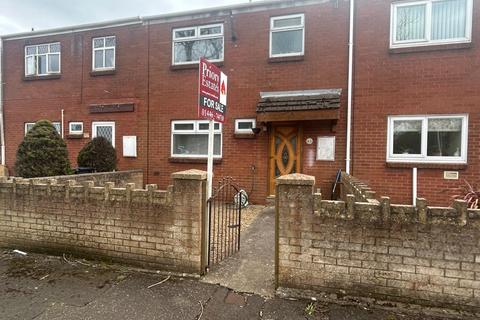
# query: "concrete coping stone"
x,y
192,174
296,179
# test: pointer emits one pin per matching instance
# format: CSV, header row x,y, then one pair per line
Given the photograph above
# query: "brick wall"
x,y
423,255
149,228
433,80
352,185
119,178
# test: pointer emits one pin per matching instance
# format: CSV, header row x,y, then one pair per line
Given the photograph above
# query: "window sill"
x,y
75,136
286,59
192,160
431,47
96,73
444,166
47,77
244,135
192,66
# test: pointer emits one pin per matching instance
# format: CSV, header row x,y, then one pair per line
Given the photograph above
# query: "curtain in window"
x,y
411,22
449,19
445,125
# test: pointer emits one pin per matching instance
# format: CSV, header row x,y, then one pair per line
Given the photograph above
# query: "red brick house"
x,y
135,82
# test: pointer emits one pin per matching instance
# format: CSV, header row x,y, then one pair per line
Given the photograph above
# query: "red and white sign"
x,y
212,104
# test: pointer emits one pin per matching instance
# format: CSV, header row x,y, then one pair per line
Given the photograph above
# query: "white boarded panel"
x,y
129,146
326,148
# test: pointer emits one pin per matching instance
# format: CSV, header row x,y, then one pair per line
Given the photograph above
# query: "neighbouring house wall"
x,y
423,255
119,178
149,228
413,81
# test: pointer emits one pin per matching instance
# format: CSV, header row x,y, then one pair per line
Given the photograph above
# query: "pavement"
x,y
42,287
252,269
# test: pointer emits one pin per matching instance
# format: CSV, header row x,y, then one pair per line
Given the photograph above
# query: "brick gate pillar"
x,y
294,205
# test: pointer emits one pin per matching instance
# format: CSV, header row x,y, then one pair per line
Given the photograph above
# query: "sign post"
x,y
212,106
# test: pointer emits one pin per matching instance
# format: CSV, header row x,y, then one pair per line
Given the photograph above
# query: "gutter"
x,y
350,87
2,126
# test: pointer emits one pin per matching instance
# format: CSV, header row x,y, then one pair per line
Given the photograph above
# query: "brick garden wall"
x,y
149,228
119,178
425,255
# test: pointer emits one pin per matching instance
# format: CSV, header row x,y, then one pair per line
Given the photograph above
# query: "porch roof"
x,y
299,105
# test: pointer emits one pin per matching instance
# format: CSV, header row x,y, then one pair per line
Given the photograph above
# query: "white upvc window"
x,y
287,36
42,59
192,43
428,139
190,139
103,53
244,125
28,126
104,129
430,22
75,127
57,125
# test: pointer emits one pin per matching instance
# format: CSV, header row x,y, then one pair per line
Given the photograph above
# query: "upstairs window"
x,y
429,22
287,36
103,53
434,139
190,139
42,59
191,44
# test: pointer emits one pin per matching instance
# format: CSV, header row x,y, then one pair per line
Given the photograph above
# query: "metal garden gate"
x,y
225,212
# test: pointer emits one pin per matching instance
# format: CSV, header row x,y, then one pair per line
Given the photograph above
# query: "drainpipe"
x,y
350,87
2,129
414,186
62,124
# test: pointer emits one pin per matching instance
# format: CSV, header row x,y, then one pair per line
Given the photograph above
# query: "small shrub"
x,y
98,154
42,153
469,194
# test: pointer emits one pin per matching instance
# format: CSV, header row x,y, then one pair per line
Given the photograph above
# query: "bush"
x,y
42,153
98,154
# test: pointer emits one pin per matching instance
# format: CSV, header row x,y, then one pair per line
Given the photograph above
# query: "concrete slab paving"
x,y
252,269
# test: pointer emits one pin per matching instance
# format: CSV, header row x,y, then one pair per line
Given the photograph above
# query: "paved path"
x,y
252,269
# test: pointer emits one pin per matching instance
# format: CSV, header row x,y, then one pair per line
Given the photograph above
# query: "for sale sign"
x,y
212,104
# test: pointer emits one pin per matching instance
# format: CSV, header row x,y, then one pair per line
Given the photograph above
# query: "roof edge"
x,y
167,17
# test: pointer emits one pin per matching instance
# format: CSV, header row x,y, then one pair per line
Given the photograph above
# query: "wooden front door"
x,y
285,153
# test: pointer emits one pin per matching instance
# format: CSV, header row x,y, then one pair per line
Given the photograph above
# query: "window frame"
x,y
47,55
103,49
423,157
282,29
70,131
26,125
103,123
196,37
196,130
428,26
244,131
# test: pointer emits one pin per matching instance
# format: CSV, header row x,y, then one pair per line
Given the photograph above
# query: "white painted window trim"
x,y
196,130
26,125
70,131
423,158
428,26
197,36
238,130
96,124
48,54
292,28
103,49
